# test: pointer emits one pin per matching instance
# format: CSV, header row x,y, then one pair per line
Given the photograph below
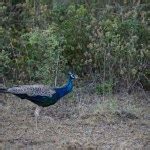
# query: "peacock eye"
x,y
72,76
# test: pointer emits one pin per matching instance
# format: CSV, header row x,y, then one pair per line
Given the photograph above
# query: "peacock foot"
x,y
36,113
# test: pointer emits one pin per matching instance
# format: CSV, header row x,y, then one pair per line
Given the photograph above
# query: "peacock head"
x,y
72,76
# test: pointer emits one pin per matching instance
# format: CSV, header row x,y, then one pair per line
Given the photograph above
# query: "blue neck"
x,y
62,91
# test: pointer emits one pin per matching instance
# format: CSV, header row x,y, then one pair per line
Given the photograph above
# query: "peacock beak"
x,y
76,76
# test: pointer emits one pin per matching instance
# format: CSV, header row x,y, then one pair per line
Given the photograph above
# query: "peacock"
x,y
41,95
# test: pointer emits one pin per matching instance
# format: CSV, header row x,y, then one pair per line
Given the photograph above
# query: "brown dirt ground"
x,y
114,122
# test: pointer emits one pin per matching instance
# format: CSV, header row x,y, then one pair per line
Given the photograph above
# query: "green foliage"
x,y
112,42
12,26
44,53
72,23
104,88
117,46
5,62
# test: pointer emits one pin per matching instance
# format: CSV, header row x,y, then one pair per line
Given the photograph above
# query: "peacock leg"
x,y
36,113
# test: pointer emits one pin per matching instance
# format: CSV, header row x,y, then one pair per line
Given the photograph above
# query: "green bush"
x,y
104,88
119,47
44,53
72,23
109,43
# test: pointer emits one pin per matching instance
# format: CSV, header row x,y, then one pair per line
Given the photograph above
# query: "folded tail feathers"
x,y
3,90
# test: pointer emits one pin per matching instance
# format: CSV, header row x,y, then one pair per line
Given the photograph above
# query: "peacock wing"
x,y
33,90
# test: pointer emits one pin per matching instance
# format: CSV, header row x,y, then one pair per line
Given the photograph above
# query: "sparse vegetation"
x,y
91,122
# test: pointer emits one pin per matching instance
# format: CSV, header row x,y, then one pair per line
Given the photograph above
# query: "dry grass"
x,y
118,122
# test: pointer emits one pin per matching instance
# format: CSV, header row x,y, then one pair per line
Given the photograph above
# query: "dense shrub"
x,y
44,53
14,23
112,43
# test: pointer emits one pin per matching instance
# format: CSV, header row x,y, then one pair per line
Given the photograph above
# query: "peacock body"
x,y
42,95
